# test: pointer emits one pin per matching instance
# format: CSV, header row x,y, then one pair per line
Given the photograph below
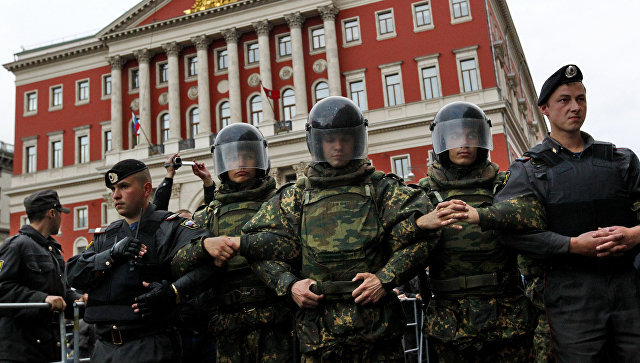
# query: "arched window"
x,y
225,113
164,128
194,121
256,110
322,91
79,245
288,104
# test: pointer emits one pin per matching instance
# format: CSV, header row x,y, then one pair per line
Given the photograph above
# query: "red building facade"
x,y
186,69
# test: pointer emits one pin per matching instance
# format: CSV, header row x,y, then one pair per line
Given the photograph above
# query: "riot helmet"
x,y
238,146
461,124
332,119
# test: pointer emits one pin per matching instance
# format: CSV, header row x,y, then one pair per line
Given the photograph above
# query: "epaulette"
x,y
524,159
171,217
98,230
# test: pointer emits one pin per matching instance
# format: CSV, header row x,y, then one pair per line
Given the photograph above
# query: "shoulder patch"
x,y
188,223
524,159
1,264
98,230
173,216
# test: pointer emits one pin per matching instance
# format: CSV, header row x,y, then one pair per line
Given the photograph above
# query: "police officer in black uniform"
x,y
592,292
31,268
134,322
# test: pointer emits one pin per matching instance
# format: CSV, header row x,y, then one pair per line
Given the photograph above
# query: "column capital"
x,y
231,35
328,12
116,62
142,55
172,49
262,27
295,20
201,42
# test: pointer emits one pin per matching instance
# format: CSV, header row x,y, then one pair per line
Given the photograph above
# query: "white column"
x,y
263,28
116,64
173,50
204,104
328,14
295,22
145,96
231,37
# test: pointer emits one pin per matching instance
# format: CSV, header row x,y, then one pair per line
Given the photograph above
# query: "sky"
x,y
595,35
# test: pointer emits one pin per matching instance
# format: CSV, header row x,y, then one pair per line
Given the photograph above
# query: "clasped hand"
x,y
222,248
446,214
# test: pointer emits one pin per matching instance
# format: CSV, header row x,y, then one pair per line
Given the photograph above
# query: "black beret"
x,y
122,170
567,74
43,200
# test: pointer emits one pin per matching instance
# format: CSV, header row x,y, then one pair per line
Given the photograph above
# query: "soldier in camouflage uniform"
x,y
250,322
479,311
345,234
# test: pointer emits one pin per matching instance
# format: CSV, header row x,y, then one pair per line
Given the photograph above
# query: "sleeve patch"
x,y
188,223
98,230
173,216
1,264
523,159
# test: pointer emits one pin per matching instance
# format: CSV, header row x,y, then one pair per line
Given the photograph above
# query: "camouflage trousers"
x,y
256,335
515,350
386,351
542,344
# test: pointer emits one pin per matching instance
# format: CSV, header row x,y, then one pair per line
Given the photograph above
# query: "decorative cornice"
x,y
328,12
69,53
116,62
172,49
294,20
142,55
201,42
262,27
231,35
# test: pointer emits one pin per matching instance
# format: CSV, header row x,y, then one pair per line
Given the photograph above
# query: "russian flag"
x,y
136,123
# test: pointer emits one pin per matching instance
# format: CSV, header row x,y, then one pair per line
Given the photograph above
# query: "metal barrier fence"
x,y
62,326
417,324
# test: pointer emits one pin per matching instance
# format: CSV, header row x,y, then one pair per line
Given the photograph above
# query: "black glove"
x,y
126,249
160,299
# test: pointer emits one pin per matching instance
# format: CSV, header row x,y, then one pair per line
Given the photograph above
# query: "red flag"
x,y
273,94
136,123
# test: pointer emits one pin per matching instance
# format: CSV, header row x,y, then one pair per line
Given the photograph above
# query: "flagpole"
x,y
269,99
140,126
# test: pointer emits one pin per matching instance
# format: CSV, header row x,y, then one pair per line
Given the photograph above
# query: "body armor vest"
x,y
111,300
468,259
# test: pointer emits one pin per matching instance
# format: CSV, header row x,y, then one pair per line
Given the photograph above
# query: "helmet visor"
x,y
337,145
464,132
240,155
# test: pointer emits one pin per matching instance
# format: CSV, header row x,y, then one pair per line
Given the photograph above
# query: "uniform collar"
x,y
553,145
39,238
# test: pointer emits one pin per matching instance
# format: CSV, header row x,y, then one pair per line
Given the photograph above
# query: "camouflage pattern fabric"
x,y
516,350
492,313
375,230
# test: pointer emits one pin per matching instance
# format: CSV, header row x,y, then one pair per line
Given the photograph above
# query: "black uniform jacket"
x,y
31,268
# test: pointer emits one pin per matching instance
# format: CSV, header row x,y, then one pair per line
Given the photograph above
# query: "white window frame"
x,y
130,73
53,107
24,219
393,165
463,54
280,58
461,19
80,242
248,65
282,90
353,43
159,83
388,35
27,111
187,77
55,136
106,126
78,100
76,226
159,126
187,123
313,50
420,28
426,62
79,132
105,96
250,110
219,114
355,76
217,70
389,69
30,141
104,214
313,89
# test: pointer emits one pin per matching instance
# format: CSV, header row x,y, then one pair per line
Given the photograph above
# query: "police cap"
x,y
567,74
43,200
122,170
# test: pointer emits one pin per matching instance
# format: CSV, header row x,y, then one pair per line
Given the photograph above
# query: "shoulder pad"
x,y
414,186
159,215
98,230
173,216
392,176
115,225
377,175
285,186
523,159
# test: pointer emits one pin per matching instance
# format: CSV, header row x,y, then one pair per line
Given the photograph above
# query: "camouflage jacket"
x,y
489,303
